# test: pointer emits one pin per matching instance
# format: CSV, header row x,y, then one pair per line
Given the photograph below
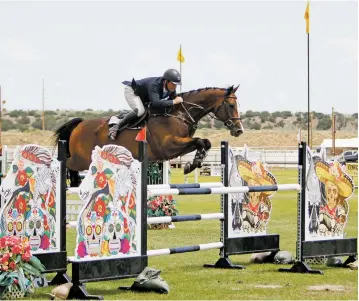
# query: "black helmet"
x,y
172,75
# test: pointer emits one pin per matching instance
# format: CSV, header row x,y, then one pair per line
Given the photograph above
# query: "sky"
x,y
84,50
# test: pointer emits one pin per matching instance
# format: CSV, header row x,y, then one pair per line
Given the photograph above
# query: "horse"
x,y
169,133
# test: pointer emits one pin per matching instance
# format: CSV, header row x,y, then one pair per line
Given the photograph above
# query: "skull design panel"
x,y
327,213
29,190
249,212
108,224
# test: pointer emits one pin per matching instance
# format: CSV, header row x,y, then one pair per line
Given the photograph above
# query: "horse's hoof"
x,y
187,168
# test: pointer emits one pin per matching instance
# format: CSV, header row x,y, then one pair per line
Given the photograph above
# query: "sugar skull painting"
x,y
336,187
249,212
114,231
38,229
29,190
257,205
108,224
15,223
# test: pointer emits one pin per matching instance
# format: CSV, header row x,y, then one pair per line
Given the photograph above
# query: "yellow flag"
x,y
180,56
307,17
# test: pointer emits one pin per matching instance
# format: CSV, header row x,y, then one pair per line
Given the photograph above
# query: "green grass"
x,y
189,280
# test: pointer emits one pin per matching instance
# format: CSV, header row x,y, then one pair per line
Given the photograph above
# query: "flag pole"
x,y
308,89
181,68
307,18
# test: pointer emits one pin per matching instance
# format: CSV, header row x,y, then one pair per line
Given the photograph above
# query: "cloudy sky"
x,y
85,49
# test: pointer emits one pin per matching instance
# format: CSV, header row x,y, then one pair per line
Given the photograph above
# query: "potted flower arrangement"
x,y
161,206
17,267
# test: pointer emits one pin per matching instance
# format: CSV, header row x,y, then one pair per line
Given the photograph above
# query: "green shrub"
x,y
23,120
16,113
7,125
255,126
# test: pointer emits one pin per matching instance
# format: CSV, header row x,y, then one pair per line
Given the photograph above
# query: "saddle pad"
x,y
114,120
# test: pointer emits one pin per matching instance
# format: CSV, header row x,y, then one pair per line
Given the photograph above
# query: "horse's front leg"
x,y
203,145
187,145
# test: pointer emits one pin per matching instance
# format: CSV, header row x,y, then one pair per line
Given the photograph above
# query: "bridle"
x,y
228,123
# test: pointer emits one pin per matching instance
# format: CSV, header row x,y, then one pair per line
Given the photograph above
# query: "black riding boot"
x,y
114,130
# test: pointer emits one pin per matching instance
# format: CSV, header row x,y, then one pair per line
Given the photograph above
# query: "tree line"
x,y
25,120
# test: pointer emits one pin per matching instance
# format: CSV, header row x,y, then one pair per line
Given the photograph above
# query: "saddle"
x,y
134,125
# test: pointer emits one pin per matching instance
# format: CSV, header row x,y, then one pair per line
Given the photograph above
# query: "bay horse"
x,y
169,133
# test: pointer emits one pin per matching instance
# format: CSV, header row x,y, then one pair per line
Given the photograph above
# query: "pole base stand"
x,y
224,263
300,267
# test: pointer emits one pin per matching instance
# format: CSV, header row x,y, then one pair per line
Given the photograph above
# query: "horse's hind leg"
x,y
74,177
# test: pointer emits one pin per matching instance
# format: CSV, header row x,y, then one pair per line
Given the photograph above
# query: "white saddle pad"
x,y
114,120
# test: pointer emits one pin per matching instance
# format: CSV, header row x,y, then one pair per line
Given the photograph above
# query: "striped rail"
x,y
222,190
185,249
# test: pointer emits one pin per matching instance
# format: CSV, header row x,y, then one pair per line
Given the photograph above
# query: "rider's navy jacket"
x,y
150,90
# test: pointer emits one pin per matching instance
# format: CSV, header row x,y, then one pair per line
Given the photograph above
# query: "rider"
x,y
159,92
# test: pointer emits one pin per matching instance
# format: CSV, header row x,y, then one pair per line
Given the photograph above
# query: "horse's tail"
x,y
64,132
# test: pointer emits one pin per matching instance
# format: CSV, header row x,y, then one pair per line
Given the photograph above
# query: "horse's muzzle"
x,y
236,128
235,131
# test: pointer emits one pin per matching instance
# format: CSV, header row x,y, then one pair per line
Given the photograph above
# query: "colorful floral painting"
x,y
327,205
109,223
29,190
249,212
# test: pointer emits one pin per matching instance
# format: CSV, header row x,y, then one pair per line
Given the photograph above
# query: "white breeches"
x,y
134,101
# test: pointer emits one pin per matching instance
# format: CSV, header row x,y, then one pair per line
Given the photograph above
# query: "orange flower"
x,y
20,204
132,201
22,178
51,202
100,207
101,179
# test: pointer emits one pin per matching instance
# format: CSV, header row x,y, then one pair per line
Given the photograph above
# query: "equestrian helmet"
x,y
172,75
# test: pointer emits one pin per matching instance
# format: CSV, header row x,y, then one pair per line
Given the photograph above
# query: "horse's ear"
x,y
235,89
229,90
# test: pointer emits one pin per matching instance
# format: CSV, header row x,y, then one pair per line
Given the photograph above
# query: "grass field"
x,y
188,280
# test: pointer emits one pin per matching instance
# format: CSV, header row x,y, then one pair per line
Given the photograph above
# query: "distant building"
x,y
340,145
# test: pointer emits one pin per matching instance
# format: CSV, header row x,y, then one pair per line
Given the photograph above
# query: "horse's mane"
x,y
200,90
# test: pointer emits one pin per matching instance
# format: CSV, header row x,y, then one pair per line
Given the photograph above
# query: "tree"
x,y
271,119
276,114
255,126
16,113
324,123
264,116
280,124
24,120
7,125
249,114
286,114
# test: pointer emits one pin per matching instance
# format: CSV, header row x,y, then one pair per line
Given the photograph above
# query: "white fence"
x,y
287,157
